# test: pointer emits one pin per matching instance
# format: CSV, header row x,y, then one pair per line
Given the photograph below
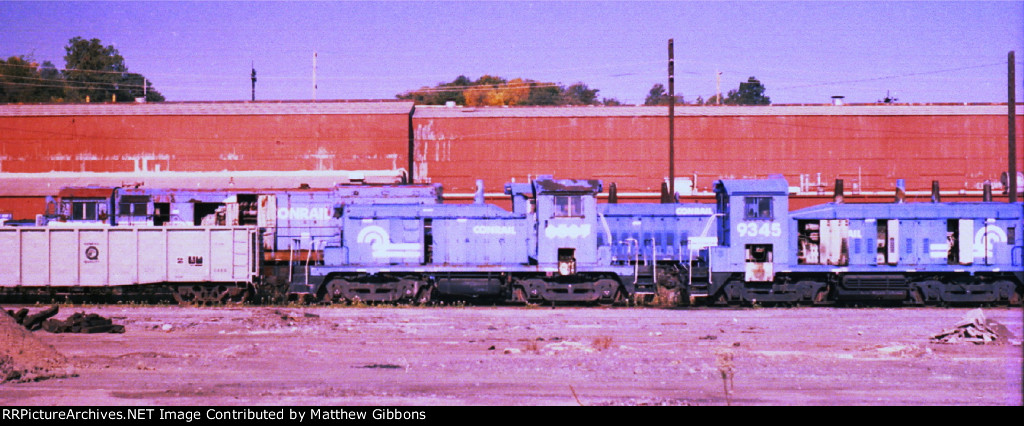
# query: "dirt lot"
x,y
527,356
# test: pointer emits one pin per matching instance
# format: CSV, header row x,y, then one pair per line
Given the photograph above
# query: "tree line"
x,y
92,73
97,73
496,91
750,92
491,90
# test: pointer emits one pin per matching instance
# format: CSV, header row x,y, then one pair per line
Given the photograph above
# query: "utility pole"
x,y
314,76
718,86
671,123
1012,125
254,81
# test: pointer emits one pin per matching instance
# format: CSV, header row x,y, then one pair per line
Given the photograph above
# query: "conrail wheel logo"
x,y
985,238
92,253
380,241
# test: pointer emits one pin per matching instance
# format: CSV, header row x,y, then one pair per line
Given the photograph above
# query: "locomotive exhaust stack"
x,y
478,196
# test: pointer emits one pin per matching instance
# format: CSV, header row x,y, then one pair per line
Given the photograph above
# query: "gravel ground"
x,y
326,356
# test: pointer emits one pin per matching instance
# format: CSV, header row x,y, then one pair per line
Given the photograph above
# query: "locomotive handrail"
x,y
291,258
309,255
607,229
654,261
636,262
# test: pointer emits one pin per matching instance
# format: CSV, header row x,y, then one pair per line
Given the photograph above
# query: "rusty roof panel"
x,y
711,111
546,185
210,108
42,184
88,192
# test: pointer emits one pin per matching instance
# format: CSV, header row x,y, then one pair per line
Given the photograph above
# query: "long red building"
x,y
868,146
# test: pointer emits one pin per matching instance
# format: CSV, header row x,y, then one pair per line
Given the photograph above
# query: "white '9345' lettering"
x,y
763,229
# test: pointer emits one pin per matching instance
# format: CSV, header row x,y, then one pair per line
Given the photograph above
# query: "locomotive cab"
x,y
751,236
566,223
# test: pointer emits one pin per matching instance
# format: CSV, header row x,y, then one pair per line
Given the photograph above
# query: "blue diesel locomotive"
x,y
960,252
391,243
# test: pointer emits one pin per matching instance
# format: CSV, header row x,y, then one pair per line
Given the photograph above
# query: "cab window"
x,y
568,206
758,208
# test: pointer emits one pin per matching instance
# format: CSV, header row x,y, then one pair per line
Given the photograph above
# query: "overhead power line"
x,y
37,66
888,77
439,89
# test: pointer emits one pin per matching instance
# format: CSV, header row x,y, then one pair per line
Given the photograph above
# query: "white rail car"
x,y
206,264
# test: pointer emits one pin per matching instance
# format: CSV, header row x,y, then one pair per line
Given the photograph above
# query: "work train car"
x,y
195,264
962,252
293,226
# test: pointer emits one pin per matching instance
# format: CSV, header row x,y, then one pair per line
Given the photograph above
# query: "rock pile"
x,y
81,322
34,321
23,357
974,328
78,323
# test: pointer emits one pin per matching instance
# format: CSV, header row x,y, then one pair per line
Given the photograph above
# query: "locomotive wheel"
x,y
332,291
238,296
519,295
617,299
915,296
1006,291
731,293
424,295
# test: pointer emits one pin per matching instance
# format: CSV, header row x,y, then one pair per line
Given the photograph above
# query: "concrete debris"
x,y
81,322
974,328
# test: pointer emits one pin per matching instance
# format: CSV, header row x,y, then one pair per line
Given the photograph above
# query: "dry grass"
x,y
727,369
601,343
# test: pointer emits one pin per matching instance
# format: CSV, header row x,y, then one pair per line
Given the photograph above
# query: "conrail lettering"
x,y
303,213
694,211
499,230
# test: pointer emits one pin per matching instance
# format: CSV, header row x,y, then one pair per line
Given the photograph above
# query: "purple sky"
x,y
803,52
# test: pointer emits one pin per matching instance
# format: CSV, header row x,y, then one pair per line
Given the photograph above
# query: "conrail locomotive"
x,y
557,244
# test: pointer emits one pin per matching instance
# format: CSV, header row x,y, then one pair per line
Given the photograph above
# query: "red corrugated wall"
x,y
456,147
868,152
204,143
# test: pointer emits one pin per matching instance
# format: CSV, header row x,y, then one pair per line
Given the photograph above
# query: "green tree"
x,y
98,72
659,96
133,84
579,94
750,93
656,96
440,94
22,80
545,95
